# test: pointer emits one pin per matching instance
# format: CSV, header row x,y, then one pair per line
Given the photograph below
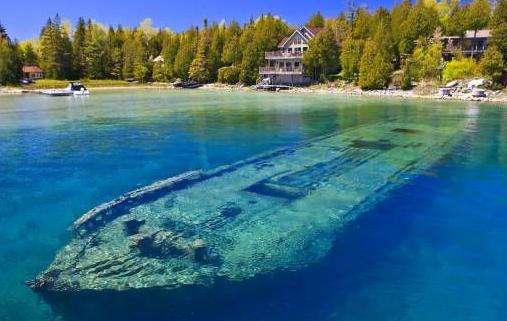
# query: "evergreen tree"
x,y
186,53
322,57
232,53
199,70
350,58
316,21
29,55
421,22
78,49
377,60
10,59
492,64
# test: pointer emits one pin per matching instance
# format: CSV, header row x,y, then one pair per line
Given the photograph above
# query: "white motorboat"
x,y
74,88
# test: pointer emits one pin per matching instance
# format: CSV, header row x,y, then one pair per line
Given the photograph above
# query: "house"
x,y
32,72
472,44
285,66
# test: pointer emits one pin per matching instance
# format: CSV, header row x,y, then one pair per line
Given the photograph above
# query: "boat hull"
x,y
279,211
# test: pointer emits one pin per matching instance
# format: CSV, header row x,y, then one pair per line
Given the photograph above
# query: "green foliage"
x,y
29,56
377,60
258,37
186,54
229,75
199,70
426,60
350,58
477,14
460,68
406,80
322,57
420,22
10,60
316,21
55,51
492,64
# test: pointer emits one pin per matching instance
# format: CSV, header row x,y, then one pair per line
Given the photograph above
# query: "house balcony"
x,y
281,70
283,55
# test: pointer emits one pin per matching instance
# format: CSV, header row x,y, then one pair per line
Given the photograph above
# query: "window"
x,y
296,64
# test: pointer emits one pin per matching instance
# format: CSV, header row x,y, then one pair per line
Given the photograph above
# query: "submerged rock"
x,y
274,212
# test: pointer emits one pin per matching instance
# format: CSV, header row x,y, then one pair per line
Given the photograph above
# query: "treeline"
x,y
370,48
10,59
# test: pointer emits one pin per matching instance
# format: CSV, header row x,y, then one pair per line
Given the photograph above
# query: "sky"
x,y
24,18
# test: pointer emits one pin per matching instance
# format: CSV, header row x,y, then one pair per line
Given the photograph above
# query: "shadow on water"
x,y
316,293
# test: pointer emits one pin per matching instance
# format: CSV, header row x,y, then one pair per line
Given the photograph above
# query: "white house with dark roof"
x,y
285,66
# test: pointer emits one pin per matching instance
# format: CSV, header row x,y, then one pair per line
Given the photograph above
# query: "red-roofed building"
x,y
32,72
285,67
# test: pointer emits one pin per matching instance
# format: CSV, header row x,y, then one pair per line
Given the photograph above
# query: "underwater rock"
x,y
275,212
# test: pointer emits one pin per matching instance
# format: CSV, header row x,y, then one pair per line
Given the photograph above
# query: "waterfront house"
x,y
285,66
471,44
32,72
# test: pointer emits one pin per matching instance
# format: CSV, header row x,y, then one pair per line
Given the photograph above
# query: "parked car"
x,y
26,81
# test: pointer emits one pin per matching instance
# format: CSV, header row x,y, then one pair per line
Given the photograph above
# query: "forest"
x,y
369,48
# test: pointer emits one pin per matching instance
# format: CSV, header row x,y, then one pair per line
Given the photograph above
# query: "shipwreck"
x,y
275,212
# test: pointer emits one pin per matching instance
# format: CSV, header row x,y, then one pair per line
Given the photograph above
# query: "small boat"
x,y
78,89
73,89
187,84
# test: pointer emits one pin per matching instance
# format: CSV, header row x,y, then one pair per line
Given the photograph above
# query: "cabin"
x,y
32,72
471,44
285,66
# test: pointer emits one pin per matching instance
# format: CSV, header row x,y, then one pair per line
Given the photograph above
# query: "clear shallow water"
x,y
435,249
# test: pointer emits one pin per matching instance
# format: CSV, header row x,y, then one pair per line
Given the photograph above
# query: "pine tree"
x,y
316,21
350,58
186,54
78,49
30,57
322,56
10,59
377,60
232,53
199,70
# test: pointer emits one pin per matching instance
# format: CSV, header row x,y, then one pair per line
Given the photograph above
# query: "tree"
x,y
499,27
55,50
259,36
95,53
199,70
78,49
350,58
426,60
421,22
10,59
477,15
229,75
232,54
29,55
322,56
492,64
377,60
316,21
186,54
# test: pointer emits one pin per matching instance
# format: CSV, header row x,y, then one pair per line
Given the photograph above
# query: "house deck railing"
x,y
282,54
281,70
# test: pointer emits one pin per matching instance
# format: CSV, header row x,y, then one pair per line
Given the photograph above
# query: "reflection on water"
x,y
435,249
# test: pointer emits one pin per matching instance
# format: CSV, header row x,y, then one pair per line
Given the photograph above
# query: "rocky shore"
x,y
458,91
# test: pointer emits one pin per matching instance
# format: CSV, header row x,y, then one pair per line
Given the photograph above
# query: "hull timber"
x,y
279,211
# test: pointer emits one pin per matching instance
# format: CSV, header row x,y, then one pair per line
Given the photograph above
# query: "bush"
x,y
492,64
460,68
229,75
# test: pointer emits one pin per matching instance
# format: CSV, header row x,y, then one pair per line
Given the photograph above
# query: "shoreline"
x,y
347,91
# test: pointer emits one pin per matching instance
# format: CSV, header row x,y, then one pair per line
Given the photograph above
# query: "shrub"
x,y
460,68
229,75
426,60
492,64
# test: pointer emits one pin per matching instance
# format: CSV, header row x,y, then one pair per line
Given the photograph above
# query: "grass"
x,y
91,83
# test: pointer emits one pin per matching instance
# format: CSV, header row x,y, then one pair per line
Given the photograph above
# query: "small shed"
x,y
32,72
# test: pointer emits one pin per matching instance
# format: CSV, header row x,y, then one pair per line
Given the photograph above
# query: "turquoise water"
x,y
435,249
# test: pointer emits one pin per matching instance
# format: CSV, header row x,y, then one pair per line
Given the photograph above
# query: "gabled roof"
x,y
31,69
305,32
